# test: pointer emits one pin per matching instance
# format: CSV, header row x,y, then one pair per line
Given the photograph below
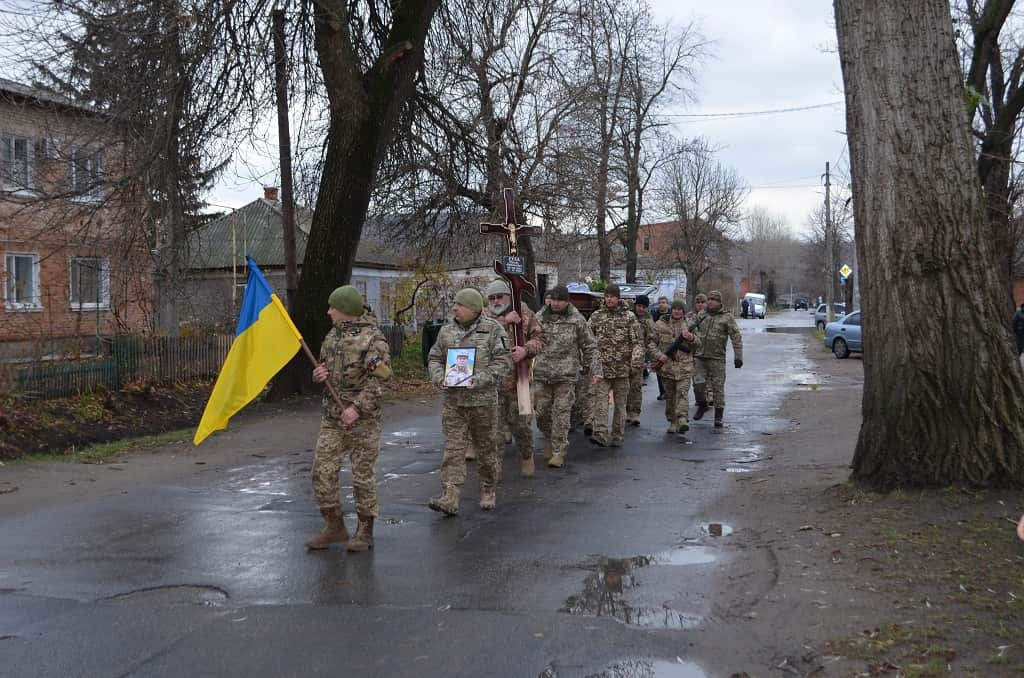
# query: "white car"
x,y
757,305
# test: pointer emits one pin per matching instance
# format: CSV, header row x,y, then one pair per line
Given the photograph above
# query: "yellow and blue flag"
x,y
266,339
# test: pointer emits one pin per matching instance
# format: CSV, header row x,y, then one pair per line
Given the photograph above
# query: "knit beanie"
x,y
612,291
678,303
470,298
347,300
497,286
559,293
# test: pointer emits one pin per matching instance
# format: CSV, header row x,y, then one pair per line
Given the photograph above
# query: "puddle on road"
x,y
277,505
604,591
737,469
405,434
175,594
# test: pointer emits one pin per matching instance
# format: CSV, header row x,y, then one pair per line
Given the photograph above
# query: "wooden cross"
x,y
513,268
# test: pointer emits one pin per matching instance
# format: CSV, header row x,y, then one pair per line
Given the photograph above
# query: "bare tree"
x,y
659,62
940,405
704,198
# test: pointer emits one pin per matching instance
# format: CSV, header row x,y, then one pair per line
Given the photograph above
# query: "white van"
x,y
757,305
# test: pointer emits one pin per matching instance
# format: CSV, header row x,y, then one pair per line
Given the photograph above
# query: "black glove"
x,y
738,363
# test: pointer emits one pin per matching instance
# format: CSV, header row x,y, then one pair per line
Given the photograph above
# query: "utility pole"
x,y
829,273
291,276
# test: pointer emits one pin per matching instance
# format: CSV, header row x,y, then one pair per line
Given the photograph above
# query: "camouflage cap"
x,y
612,291
678,303
716,295
701,298
559,293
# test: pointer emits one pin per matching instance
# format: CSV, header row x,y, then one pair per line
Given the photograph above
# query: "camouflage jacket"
x,y
648,335
357,357
680,365
713,330
533,336
571,346
493,360
618,340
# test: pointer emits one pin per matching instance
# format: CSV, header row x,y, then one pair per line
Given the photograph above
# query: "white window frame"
x,y
94,165
8,144
10,304
104,285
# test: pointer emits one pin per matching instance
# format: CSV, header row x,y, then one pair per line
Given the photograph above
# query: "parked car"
x,y
843,337
801,304
756,305
820,319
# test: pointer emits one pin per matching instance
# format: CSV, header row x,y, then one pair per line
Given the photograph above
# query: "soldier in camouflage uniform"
x,y
499,307
468,420
569,341
354,358
676,370
700,302
649,341
714,326
618,340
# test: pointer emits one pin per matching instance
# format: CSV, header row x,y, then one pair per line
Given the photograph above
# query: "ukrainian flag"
x,y
265,341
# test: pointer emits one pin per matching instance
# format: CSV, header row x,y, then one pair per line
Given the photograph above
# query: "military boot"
x,y
700,392
672,427
488,498
683,428
527,467
363,540
334,529
547,453
719,411
557,460
447,503
470,454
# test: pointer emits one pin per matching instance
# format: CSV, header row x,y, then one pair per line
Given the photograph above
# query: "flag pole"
x,y
330,387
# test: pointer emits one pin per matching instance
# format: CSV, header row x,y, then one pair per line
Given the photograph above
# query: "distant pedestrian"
x,y
744,307
1018,329
714,326
570,345
469,414
354,358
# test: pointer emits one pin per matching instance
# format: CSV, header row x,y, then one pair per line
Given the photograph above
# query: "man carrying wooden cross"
x,y
499,307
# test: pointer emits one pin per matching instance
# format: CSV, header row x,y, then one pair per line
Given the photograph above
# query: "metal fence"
x,y
166,360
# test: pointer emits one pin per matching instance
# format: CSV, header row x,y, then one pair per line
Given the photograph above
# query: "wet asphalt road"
x,y
602,568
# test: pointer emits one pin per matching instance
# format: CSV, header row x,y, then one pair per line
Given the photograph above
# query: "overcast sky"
x,y
769,56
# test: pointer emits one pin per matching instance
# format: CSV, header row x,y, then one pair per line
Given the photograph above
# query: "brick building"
x,y
73,261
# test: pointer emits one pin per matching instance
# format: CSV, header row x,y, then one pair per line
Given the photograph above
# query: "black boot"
x,y
719,411
702,408
700,393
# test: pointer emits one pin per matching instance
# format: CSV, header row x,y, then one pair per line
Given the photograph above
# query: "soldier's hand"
x,y
518,353
661,361
349,416
512,317
1020,528
320,374
738,363
596,379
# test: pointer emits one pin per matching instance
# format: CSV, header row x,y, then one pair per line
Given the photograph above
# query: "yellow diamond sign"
x,y
845,271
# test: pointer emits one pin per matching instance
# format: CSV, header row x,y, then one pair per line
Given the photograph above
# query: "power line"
x,y
747,114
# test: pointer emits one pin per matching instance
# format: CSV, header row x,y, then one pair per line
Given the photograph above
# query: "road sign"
x,y
845,271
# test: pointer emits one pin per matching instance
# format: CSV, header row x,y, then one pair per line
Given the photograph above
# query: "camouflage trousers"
x,y
554,403
711,373
635,399
465,428
581,405
361,442
677,399
619,388
521,425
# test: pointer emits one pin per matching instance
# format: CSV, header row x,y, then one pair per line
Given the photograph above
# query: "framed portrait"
x,y
460,364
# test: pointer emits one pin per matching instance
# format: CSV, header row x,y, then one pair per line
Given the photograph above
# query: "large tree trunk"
x,y
364,113
942,387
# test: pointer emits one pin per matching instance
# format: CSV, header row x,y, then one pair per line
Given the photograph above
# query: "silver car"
x,y
820,318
